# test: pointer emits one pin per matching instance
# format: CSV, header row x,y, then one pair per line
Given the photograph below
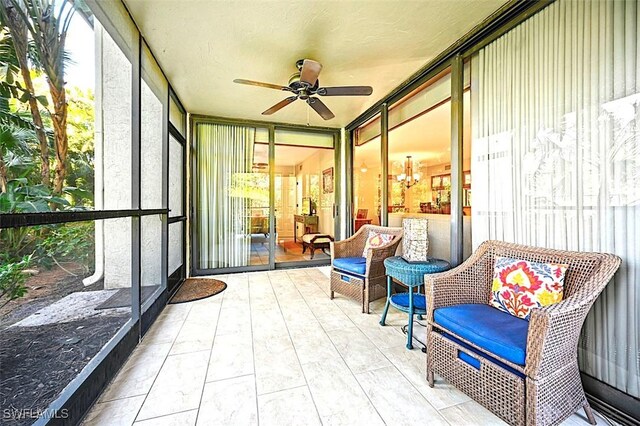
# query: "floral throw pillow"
x,y
375,240
520,285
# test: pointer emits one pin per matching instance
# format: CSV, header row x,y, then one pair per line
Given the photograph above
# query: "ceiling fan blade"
x,y
283,103
345,91
320,108
310,71
260,84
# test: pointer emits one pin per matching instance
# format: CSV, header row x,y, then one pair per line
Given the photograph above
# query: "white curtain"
x,y
556,157
224,156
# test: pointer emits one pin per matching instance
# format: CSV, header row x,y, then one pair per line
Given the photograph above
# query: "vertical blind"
x,y
224,156
556,157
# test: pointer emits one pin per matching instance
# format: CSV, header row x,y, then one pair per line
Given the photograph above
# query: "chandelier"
x,y
408,177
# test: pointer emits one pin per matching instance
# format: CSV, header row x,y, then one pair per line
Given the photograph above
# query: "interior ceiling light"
x,y
363,167
408,177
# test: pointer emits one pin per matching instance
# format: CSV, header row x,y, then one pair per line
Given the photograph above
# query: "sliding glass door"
x,y
259,193
304,196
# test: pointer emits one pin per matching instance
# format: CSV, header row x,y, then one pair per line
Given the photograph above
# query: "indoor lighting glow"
x,y
363,167
408,177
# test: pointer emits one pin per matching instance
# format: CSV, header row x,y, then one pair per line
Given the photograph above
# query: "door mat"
x,y
197,288
122,297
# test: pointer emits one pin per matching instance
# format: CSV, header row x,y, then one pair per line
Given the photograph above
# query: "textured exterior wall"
x,y
113,103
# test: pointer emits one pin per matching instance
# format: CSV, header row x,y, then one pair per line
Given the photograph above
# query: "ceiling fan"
x,y
304,85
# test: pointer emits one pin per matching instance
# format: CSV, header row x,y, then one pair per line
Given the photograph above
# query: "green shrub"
x,y
12,279
72,242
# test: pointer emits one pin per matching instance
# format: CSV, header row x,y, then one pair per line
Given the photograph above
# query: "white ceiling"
x,y
202,45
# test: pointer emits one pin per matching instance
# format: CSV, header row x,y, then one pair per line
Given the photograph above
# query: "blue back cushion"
x,y
354,265
494,331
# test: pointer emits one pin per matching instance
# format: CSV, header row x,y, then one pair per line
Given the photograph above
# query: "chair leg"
x,y
430,378
312,250
589,412
332,294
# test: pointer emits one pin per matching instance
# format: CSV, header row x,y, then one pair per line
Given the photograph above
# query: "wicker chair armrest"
x,y
350,247
552,340
469,282
376,257
554,330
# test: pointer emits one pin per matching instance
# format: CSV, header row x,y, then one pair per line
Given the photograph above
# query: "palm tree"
x,y
16,46
48,22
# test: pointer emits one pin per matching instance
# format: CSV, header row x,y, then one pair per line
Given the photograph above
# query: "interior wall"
x,y
321,160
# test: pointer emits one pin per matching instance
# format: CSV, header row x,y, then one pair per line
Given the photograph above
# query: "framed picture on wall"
x,y
327,181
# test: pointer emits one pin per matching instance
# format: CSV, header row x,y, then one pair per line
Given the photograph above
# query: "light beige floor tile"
x,y
187,418
470,413
277,365
396,400
229,402
178,386
231,356
177,312
314,347
363,415
357,350
288,407
139,372
162,331
235,318
413,365
195,335
121,412
334,388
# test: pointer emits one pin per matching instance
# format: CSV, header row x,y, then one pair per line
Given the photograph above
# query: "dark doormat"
x,y
196,289
122,297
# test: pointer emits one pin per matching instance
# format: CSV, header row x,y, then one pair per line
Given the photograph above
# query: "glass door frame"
x,y
194,120
337,161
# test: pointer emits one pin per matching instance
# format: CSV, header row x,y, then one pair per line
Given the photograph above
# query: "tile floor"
x,y
260,252
273,349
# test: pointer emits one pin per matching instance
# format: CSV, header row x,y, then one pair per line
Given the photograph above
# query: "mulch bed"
x,y
38,362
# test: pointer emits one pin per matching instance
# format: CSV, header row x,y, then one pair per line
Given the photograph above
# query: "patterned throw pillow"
x,y
520,285
375,240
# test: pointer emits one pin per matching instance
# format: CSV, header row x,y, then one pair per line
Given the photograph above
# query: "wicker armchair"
x,y
547,388
370,283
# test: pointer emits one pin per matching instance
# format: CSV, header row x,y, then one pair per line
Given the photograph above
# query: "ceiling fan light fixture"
x,y
304,84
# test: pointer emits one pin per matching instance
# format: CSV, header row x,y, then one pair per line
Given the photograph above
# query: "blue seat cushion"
x,y
354,265
402,299
495,331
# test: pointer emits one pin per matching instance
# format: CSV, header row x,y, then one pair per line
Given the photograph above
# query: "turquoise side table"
x,y
412,275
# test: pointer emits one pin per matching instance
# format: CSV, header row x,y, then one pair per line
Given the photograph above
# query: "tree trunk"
x,y
59,119
19,35
3,175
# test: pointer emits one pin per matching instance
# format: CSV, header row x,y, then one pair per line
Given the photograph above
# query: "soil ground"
x,y
39,362
45,288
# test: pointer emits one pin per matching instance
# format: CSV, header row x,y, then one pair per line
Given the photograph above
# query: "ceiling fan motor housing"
x,y
300,86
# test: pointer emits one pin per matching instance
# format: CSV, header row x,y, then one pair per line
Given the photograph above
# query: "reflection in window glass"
x,y
367,193
176,167
177,117
175,246
151,276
